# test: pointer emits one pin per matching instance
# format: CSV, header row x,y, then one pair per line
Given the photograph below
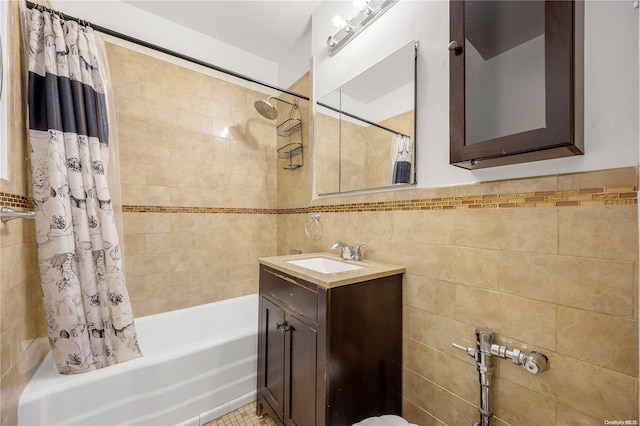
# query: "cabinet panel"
x,y
272,386
297,294
366,355
302,373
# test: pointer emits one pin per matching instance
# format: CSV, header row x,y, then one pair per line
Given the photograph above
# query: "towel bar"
x,y
7,214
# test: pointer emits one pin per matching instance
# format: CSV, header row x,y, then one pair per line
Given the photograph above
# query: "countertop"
x,y
370,269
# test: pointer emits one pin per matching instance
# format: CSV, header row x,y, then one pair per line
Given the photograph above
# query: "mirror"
x,y
365,129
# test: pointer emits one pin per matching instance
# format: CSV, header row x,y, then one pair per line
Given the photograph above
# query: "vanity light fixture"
x,y
368,12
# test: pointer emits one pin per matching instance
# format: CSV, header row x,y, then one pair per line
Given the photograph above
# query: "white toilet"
x,y
384,421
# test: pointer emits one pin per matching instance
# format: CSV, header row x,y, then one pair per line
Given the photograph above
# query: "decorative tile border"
x,y
562,198
201,210
15,201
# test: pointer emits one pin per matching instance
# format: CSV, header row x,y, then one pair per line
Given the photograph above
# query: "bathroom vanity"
x,y
329,344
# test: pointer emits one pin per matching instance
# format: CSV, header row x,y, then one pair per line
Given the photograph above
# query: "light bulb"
x,y
342,23
363,6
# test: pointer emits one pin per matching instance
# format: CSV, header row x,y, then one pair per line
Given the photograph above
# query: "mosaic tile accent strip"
x,y
19,201
564,198
561,198
199,210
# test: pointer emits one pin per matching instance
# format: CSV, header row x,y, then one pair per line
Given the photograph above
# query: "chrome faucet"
x,y
349,253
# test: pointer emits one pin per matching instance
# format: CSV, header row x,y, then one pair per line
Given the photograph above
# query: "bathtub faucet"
x,y
349,253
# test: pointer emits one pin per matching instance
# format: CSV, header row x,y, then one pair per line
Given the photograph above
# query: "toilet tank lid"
x,y
384,421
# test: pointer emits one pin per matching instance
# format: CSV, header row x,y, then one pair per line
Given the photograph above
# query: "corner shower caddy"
x,y
288,129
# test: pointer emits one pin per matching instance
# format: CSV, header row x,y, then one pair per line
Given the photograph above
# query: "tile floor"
x,y
243,416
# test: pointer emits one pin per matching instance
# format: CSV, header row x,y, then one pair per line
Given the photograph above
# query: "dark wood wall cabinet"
x,y
328,356
516,81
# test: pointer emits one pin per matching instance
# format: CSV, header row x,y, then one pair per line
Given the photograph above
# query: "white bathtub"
x,y
199,363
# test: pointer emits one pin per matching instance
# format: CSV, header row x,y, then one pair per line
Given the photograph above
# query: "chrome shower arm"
x,y
275,98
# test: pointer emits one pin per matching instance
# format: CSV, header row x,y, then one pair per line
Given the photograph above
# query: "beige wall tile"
x,y
440,368
167,243
587,283
142,153
626,176
517,405
453,410
594,391
17,263
513,186
145,195
429,227
517,317
570,417
135,244
606,232
146,223
425,328
578,330
431,295
418,390
532,230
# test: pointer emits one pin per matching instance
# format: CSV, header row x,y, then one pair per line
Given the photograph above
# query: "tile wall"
x,y
198,178
549,263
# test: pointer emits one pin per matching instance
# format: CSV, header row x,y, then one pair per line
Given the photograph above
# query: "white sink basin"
x,y
324,265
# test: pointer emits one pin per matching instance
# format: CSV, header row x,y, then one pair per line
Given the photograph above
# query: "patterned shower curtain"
x,y
87,309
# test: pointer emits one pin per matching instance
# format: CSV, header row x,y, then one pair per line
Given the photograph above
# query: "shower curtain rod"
x,y
31,5
371,123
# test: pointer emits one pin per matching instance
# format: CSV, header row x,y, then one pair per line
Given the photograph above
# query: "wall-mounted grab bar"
x,y
7,214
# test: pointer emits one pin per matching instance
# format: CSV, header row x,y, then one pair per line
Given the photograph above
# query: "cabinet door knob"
x,y
283,327
453,47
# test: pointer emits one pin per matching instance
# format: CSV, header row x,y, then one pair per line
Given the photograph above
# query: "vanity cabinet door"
x,y
301,373
271,376
515,81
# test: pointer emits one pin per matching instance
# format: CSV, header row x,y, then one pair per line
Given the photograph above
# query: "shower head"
x,y
266,109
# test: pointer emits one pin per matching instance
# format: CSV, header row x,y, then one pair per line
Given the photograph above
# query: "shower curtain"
x,y
402,157
87,309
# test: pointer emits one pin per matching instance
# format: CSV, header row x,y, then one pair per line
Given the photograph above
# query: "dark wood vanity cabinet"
x,y
328,356
515,81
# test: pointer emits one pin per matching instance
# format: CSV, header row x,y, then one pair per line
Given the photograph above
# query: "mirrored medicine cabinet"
x,y
515,81
365,129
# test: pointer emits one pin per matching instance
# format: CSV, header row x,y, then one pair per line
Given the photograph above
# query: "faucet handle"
x,y
357,254
470,351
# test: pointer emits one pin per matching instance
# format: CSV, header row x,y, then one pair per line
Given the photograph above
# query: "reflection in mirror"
x,y
504,68
365,129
